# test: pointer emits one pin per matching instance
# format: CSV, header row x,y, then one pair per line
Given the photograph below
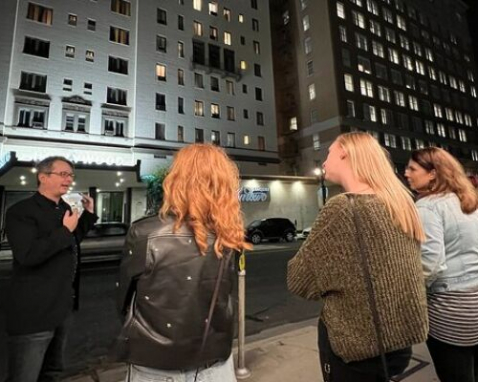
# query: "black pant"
x,y
367,370
454,363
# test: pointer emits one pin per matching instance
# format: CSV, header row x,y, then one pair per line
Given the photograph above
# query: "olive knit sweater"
x,y
328,266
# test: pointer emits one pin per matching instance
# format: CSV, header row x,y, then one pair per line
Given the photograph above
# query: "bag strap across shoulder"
x,y
368,281
215,294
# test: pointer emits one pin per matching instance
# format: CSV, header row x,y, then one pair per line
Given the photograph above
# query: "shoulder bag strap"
x,y
368,281
211,307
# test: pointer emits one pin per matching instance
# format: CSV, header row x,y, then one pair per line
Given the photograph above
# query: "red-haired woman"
x,y
175,329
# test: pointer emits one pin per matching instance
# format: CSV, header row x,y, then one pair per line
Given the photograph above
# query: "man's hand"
x,y
70,220
88,203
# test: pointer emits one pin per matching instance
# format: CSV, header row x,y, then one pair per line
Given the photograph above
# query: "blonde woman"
x,y
373,304
447,203
174,330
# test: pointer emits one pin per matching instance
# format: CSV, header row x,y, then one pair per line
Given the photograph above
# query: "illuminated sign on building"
x,y
254,194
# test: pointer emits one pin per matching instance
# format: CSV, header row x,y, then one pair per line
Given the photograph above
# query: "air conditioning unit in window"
x,y
109,132
38,125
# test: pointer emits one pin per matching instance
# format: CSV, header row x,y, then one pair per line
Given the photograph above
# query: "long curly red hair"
x,y
201,190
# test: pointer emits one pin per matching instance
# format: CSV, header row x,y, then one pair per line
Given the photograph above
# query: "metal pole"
x,y
242,371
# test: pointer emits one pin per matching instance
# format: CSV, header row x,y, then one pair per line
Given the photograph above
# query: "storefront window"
x,y
110,206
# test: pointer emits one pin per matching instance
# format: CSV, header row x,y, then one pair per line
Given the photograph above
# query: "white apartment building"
x,y
118,86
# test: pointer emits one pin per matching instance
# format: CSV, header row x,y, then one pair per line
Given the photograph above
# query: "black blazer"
x,y
44,264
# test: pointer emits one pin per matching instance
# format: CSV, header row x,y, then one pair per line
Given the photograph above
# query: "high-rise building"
x,y
402,70
120,85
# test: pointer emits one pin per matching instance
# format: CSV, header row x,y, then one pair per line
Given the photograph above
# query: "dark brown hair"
x,y
450,176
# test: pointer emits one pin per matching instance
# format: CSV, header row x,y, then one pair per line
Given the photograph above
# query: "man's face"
x,y
58,180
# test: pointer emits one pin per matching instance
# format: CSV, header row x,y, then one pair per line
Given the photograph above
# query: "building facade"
x,y
117,86
401,70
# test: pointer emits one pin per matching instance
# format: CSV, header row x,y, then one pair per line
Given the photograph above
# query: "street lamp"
x,y
319,173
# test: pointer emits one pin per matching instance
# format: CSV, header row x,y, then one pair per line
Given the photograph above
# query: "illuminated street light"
x,y
319,173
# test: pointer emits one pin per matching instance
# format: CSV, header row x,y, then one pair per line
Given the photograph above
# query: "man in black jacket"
x,y
44,234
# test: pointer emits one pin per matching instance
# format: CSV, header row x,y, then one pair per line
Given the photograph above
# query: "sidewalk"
x,y
283,354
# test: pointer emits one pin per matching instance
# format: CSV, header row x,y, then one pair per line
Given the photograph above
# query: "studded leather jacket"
x,y
165,292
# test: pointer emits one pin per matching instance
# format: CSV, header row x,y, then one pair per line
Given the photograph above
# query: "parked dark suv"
x,y
271,229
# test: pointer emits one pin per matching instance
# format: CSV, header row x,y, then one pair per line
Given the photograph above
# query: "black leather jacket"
x,y
165,289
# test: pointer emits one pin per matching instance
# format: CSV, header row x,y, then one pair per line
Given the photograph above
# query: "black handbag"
x,y
371,295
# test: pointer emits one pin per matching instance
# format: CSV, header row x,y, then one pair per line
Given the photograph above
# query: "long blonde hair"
x,y
201,190
450,176
371,165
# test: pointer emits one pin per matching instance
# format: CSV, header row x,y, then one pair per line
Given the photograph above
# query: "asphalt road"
x,y
95,326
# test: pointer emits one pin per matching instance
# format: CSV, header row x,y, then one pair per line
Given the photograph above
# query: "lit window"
x,y
215,111
227,38
311,92
197,28
366,88
306,23
390,140
198,108
90,55
316,141
340,10
70,51
293,123
359,19
243,65
72,19
213,8
343,33
197,5
40,14
246,139
349,84
161,72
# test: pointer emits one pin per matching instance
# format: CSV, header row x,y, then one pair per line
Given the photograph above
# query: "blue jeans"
x,y
219,372
37,356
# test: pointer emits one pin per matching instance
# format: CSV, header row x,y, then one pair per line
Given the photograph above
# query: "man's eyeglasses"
x,y
63,174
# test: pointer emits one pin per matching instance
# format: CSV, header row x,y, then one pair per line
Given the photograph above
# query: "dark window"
x,y
254,4
160,131
381,71
180,105
33,82
91,25
161,44
245,114
36,47
243,40
121,6
116,96
229,61
257,70
117,65
162,17
180,133
260,118
258,94
397,77
41,14
402,121
255,25
199,135
214,84
199,55
214,56
261,143
160,102
244,88
180,22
